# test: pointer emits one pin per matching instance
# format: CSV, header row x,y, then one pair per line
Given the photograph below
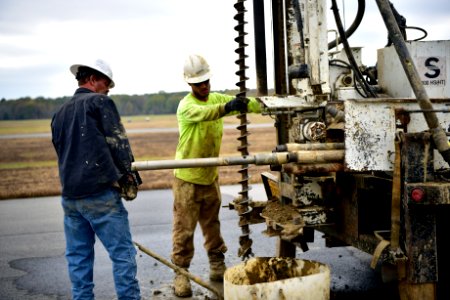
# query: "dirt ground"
x,y
32,170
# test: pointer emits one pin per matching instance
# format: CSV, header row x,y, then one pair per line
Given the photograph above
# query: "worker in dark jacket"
x,y
94,160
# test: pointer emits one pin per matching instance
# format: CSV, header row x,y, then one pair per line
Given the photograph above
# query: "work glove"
x,y
237,104
129,185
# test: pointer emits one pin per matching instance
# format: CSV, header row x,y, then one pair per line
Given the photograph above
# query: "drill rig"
x,y
379,177
362,153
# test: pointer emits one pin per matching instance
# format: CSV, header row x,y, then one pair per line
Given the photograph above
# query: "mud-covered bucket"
x,y
277,278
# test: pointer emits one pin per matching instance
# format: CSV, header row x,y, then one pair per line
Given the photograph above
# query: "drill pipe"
x,y
313,146
318,156
302,157
258,159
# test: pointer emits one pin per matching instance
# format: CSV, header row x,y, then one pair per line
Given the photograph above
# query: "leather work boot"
x,y
182,286
216,270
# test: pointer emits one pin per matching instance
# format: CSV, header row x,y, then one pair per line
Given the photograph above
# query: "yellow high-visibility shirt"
x,y
200,126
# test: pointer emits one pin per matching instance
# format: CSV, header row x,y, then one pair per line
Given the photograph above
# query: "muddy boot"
x,y
182,286
217,264
216,270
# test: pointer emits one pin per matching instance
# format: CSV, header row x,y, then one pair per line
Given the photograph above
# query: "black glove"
x,y
129,185
237,104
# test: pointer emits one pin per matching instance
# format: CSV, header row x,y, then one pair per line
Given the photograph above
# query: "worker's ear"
x,y
92,79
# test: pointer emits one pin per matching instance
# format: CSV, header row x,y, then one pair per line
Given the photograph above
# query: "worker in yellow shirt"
x,y
197,197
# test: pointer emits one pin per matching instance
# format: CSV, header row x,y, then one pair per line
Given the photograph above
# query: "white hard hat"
x,y
196,69
98,65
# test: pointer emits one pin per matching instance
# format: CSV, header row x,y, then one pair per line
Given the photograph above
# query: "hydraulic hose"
x,y
364,85
354,26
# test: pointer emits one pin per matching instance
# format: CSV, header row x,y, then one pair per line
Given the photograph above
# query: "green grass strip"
x,y
24,165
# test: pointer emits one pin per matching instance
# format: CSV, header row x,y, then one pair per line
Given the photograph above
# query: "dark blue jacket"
x,y
90,141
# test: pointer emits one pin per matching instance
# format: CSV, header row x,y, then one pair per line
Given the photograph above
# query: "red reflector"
x,y
417,194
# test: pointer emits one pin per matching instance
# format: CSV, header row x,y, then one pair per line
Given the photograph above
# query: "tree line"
x,y
127,105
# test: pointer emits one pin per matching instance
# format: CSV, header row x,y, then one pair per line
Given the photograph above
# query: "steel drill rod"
x,y
194,278
278,158
313,146
319,156
258,159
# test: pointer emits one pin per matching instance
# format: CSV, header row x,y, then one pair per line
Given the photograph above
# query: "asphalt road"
x,y
32,263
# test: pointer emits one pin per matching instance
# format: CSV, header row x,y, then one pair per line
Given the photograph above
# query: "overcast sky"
x,y
147,41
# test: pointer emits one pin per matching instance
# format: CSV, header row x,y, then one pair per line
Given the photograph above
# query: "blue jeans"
x,y
105,216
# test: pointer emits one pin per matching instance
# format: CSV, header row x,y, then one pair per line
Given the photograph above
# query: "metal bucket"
x,y
277,278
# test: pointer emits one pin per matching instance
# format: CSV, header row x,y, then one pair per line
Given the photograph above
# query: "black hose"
x,y
354,26
401,22
364,85
337,62
425,33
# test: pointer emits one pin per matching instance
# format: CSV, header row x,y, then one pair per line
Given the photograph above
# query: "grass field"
x,y
28,166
